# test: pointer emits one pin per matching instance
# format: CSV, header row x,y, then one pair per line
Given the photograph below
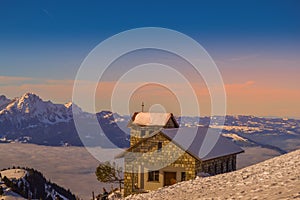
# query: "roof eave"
x,y
223,155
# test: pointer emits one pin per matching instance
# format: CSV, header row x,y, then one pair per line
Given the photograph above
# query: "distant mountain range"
x,y
29,119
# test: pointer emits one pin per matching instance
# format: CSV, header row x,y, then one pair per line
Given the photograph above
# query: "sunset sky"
x,y
255,44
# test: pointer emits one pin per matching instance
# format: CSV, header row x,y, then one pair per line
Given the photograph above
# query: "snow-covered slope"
x,y
23,183
277,178
16,174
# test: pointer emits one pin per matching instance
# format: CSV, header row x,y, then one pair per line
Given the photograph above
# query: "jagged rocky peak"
x,y
29,96
105,114
3,100
71,106
27,102
30,107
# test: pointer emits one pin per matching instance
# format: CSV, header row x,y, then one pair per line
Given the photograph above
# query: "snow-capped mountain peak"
x,y
31,119
30,95
29,102
31,109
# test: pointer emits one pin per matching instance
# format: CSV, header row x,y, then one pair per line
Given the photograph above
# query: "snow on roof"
x,y
151,119
203,143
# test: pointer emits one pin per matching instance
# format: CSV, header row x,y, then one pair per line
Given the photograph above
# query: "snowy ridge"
x,y
28,183
17,175
277,178
29,119
31,106
234,137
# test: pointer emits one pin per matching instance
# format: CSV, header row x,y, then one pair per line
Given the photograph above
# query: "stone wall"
x,y
147,156
170,155
219,165
136,133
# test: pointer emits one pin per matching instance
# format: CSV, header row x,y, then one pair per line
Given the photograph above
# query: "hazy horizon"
x,y
139,110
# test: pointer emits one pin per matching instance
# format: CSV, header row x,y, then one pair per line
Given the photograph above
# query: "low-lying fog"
x,y
74,167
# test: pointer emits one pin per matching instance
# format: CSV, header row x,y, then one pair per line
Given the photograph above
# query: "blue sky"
x,y
254,42
49,35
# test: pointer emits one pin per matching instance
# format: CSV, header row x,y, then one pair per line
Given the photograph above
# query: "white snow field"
x,y
17,174
14,173
276,178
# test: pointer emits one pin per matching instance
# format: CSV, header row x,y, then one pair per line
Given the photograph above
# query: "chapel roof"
x,y
201,142
152,119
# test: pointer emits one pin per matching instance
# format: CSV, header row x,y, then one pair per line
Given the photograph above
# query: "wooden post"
x,y
93,195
